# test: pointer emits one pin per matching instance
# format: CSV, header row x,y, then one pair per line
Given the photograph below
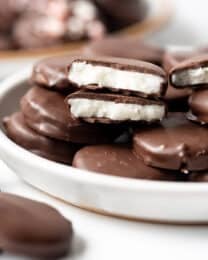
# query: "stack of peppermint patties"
x,y
115,90
192,74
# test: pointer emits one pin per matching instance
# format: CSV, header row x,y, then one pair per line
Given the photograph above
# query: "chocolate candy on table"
x,y
118,75
118,161
45,111
125,47
198,103
33,229
175,144
51,149
190,73
105,108
52,72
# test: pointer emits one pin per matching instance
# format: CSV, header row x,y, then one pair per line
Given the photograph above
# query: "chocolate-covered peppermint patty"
x,y
191,73
198,103
105,108
118,75
118,161
20,133
125,47
52,72
45,111
169,61
175,144
33,229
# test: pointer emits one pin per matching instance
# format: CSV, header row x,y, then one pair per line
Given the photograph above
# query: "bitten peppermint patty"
x,y
130,77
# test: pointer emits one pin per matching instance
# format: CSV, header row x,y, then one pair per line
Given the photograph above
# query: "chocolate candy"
x,y
177,99
51,149
51,23
118,161
125,47
85,21
34,229
46,112
36,31
198,103
112,108
118,75
169,61
52,72
176,144
190,73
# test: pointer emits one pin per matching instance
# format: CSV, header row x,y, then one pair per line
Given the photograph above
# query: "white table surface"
x,y
104,238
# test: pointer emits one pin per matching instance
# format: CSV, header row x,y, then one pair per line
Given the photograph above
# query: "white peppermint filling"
x,y
85,108
190,77
82,74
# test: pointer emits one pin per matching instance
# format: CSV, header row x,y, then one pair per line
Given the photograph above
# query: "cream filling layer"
x,y
85,108
82,74
190,77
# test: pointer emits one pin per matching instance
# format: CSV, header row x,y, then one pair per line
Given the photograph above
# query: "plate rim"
x,y
81,175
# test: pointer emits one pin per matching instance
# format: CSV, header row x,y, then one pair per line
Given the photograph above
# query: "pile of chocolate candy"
x,y
126,115
42,23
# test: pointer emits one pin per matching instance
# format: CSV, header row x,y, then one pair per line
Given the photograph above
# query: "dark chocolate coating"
x,y
45,111
125,47
176,144
52,72
194,62
118,161
32,228
113,98
198,103
125,65
51,149
178,105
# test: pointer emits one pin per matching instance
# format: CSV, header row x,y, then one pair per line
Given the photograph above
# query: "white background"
x,y
104,238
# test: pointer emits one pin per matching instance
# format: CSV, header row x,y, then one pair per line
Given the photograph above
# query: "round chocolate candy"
x,y
52,72
52,149
45,111
198,103
32,228
175,144
118,161
125,47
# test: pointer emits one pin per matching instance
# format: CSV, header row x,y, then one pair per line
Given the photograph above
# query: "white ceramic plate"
x,y
129,198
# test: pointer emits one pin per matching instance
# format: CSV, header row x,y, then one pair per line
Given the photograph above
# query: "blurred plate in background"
x,y
159,11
